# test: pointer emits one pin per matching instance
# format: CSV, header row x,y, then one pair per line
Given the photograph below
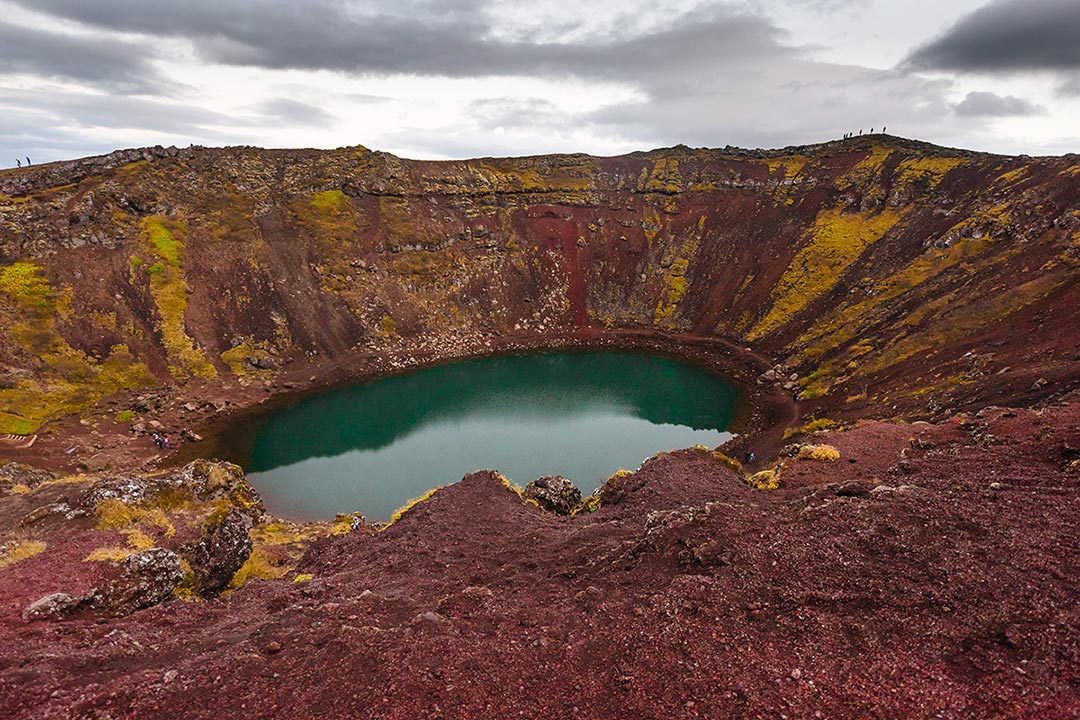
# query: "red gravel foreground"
x,y
930,572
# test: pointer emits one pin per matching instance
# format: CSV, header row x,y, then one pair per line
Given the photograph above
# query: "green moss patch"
x,y
23,283
169,290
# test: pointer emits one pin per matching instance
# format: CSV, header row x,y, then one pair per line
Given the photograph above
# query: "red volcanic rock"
x,y
554,493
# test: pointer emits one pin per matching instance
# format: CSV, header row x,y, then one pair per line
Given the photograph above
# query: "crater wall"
x,y
891,277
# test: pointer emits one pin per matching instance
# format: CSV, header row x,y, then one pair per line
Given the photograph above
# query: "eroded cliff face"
x,y
892,277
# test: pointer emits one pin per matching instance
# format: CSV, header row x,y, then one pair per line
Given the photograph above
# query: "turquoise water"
x,y
370,448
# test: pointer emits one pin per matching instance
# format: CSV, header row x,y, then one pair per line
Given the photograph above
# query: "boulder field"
x,y
904,321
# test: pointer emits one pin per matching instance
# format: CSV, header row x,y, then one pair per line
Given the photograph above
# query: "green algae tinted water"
x,y
370,448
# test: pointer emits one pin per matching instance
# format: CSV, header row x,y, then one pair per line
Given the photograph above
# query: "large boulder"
x,y
148,578
554,493
216,557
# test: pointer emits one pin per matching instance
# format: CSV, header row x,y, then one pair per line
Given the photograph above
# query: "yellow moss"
x,y
21,550
663,177
259,566
113,514
23,283
409,506
727,460
164,244
388,328
811,427
1012,176
282,533
330,201
933,169
675,288
765,480
590,504
108,554
229,215
395,216
67,480
570,184
19,489
137,539
342,524
835,242
791,165
517,489
121,371
186,589
236,358
826,453
866,169
169,290
840,325
25,408
943,320
1072,170
302,577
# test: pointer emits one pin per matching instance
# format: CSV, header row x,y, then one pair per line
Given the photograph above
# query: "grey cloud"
x,y
294,111
49,125
1007,36
444,39
990,104
86,110
767,109
99,62
515,112
1070,87
753,105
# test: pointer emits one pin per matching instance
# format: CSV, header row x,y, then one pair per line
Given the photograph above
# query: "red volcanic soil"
x,y
931,571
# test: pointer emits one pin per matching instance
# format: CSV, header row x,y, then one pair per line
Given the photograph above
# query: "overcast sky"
x,y
468,78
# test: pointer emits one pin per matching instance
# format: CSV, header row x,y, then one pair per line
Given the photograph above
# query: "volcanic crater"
x,y
903,320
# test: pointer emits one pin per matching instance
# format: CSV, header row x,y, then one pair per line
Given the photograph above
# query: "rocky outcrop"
x,y
55,606
147,578
554,493
218,554
204,480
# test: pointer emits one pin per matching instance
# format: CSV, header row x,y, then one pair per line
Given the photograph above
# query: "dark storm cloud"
x,y
294,111
1007,36
104,63
988,104
450,39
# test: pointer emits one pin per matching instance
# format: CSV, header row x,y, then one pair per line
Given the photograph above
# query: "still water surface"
x,y
369,448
